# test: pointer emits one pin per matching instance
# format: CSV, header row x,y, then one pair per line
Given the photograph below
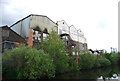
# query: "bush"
x,y
87,61
114,58
26,62
119,58
56,49
72,64
97,63
104,62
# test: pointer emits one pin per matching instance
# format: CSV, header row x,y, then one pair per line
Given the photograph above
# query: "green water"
x,y
92,75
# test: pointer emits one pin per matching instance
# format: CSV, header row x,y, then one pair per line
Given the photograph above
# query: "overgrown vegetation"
x,y
49,58
104,62
114,58
73,66
27,62
56,49
87,61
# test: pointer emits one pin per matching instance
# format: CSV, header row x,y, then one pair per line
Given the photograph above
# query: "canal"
x,y
111,73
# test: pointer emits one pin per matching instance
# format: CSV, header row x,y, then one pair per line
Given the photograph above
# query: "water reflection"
x,y
103,74
115,77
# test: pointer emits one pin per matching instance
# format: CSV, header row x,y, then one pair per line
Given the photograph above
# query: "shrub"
x,y
87,61
56,49
72,64
114,58
26,62
104,62
119,58
107,55
97,63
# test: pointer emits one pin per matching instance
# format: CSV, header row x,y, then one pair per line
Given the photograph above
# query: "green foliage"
x,y
106,55
56,49
72,64
0,63
97,63
87,61
50,58
27,62
104,62
119,58
114,58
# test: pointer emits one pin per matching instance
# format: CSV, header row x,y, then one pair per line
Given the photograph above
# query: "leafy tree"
x,y
56,49
104,62
73,66
114,58
87,61
27,62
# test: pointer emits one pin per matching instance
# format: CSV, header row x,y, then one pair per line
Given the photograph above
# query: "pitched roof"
x,y
32,15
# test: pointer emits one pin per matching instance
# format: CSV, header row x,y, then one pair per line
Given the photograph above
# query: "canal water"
x,y
111,73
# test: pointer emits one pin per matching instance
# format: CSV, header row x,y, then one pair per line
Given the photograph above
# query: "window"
x,y
36,36
8,45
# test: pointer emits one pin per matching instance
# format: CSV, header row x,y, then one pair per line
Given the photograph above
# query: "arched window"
x,y
37,34
45,33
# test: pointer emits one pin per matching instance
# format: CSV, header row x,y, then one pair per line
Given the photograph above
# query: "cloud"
x,y
96,18
10,13
102,24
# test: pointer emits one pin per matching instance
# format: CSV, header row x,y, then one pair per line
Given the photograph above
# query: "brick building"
x,y
9,39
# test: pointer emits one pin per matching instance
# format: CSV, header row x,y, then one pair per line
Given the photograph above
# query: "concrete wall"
x,y
32,21
43,23
22,27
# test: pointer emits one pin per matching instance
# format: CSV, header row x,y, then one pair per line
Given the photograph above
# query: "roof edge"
x,y
32,15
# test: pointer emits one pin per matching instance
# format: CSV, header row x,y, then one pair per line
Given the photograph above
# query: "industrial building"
x,y
34,27
9,39
72,37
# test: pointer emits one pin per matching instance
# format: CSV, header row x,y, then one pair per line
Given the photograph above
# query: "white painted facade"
x,y
62,27
81,37
76,35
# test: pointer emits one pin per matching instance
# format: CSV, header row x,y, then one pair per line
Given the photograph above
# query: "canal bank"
x,y
99,74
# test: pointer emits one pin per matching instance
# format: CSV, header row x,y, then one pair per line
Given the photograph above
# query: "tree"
x,y
27,62
56,49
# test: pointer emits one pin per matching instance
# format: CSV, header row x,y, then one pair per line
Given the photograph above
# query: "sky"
x,y
98,19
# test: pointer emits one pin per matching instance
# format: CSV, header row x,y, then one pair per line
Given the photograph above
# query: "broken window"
x,y
45,33
37,34
8,44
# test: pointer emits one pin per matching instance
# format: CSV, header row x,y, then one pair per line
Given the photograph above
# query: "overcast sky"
x,y
98,19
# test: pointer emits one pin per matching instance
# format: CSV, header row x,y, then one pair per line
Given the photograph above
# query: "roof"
x,y
62,21
11,31
32,15
3,26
